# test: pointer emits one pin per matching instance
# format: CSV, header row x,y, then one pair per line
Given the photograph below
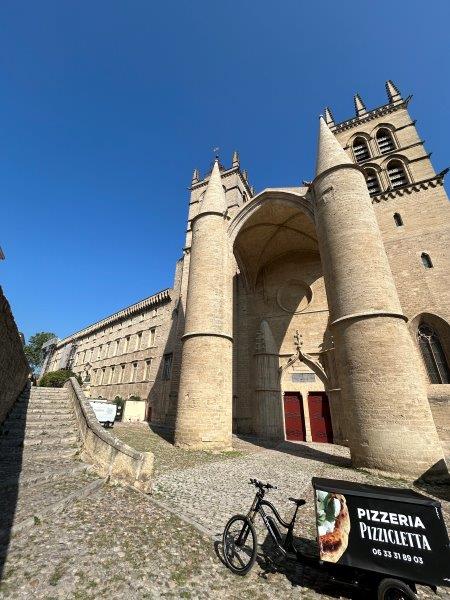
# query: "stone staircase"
x,y
39,468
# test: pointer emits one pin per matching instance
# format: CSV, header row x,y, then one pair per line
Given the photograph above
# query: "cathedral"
x,y
313,313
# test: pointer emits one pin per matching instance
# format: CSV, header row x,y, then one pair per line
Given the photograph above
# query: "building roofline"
x,y
375,113
124,312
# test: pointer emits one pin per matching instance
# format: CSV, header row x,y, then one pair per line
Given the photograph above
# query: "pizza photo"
x,y
333,525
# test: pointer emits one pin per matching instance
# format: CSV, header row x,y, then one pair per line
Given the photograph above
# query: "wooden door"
x,y
320,417
293,417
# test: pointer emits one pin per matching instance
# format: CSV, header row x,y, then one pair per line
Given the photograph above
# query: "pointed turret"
x,y
329,119
393,92
245,175
360,107
235,160
214,199
329,152
195,177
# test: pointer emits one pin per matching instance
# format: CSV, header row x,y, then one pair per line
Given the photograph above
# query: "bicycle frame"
x,y
287,548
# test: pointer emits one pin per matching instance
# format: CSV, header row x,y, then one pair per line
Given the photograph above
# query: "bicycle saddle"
x,y
298,501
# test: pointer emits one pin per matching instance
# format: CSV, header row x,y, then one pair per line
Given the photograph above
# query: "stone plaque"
x,y
300,377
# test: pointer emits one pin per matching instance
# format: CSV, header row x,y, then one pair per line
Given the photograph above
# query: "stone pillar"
x,y
391,428
204,411
267,386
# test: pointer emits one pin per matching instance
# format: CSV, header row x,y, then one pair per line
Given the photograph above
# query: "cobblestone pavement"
x,y
118,543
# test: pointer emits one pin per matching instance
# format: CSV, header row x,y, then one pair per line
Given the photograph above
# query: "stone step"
x,y
42,428
56,444
20,480
39,498
53,410
31,424
29,464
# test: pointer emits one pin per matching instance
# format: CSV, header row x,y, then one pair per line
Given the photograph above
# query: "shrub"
x,y
134,397
57,378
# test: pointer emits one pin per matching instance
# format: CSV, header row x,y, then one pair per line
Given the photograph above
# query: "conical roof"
x,y
360,107
329,152
392,91
214,199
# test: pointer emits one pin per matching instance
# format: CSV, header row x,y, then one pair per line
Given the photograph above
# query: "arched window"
x,y
398,220
385,141
244,197
373,183
426,260
433,354
397,174
361,149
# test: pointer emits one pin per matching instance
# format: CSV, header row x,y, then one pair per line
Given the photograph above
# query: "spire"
x,y
245,175
214,199
235,160
329,119
360,107
392,91
195,176
329,153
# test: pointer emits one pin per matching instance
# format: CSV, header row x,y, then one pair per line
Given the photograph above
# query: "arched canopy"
x,y
272,224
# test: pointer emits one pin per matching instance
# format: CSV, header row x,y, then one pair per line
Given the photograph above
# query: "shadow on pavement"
x,y
301,450
12,434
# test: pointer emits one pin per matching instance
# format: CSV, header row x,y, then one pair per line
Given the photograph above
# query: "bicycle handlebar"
x,y
261,485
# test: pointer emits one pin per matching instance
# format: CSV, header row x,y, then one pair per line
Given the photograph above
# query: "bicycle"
x,y
239,536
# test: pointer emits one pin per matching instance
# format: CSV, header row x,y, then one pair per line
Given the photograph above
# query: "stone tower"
x,y
204,408
386,402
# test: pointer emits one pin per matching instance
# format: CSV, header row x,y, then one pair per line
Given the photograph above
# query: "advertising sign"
x,y
105,412
392,531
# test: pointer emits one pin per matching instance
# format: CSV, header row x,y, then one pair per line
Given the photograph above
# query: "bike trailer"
x,y
391,531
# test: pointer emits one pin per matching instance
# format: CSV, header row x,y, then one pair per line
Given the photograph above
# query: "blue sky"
x,y
107,106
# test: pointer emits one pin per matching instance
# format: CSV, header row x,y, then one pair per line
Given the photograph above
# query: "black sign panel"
x,y
394,532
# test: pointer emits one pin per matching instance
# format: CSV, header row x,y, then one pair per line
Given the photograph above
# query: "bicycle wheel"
x,y
239,544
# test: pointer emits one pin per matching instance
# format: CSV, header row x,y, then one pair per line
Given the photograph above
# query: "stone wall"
x,y
111,457
14,367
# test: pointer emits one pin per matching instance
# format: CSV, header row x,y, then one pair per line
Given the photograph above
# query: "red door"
x,y
294,417
320,417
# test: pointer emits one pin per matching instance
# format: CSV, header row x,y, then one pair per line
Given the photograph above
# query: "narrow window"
x,y
426,260
244,197
373,183
88,355
102,377
433,355
385,141
398,220
107,350
133,373
99,354
360,150
110,375
138,341
121,373
126,344
151,339
397,174
148,366
167,366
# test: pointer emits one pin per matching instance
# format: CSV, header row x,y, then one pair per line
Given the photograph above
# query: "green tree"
x,y
57,378
33,350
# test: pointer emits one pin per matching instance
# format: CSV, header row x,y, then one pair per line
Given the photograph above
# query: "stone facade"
x,y
14,368
356,262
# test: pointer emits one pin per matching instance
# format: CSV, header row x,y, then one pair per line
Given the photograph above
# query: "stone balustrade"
x,y
110,456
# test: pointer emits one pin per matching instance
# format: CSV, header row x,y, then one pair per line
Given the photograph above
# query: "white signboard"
x,y
104,411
